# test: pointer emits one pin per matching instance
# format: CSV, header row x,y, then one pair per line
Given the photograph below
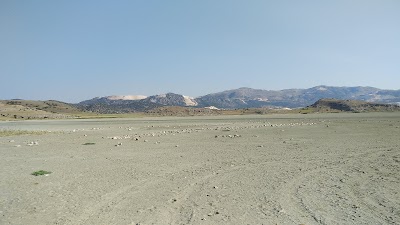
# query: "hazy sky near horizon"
x,y
75,50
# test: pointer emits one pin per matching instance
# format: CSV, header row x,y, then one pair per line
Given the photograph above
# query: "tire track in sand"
x,y
300,209
109,200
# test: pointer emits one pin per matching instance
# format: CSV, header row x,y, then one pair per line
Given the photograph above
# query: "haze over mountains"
x,y
241,98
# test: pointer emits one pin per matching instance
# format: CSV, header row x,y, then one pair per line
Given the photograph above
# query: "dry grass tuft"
x,y
6,133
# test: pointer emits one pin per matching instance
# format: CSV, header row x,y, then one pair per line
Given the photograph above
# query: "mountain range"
x,y
240,98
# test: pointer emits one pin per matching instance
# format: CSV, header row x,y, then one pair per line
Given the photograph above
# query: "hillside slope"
x,y
27,109
329,105
293,98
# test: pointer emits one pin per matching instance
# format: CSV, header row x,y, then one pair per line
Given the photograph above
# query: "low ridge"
x,y
352,106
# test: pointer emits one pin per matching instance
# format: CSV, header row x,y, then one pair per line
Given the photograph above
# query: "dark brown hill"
x,y
329,104
28,109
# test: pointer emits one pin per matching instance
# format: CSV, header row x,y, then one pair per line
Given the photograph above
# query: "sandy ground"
x,y
282,169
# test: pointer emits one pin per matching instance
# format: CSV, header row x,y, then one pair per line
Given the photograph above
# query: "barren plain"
x,y
260,169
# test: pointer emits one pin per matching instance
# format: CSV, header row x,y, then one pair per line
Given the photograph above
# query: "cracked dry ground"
x,y
274,169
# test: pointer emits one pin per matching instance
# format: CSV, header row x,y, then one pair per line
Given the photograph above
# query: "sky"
x,y
74,50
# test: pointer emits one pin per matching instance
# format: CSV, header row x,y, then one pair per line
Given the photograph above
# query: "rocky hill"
x,y
171,99
332,105
112,104
105,105
240,98
293,98
182,111
157,106
27,109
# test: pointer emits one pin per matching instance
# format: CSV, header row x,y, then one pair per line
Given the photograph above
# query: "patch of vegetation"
x,y
89,143
40,173
5,133
306,110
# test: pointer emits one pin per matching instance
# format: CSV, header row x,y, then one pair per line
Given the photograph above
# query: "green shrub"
x,y
40,172
89,143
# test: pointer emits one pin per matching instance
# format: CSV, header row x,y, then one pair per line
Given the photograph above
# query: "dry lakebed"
x,y
261,169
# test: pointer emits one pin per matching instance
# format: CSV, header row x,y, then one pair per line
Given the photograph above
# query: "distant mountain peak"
x,y
247,97
243,97
126,97
172,99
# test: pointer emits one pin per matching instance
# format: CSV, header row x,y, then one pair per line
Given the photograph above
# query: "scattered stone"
x,y
17,146
32,143
12,141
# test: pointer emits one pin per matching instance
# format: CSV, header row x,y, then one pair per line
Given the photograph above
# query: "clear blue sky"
x,y
74,50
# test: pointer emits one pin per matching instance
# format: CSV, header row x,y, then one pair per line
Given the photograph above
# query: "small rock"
x,y
32,143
